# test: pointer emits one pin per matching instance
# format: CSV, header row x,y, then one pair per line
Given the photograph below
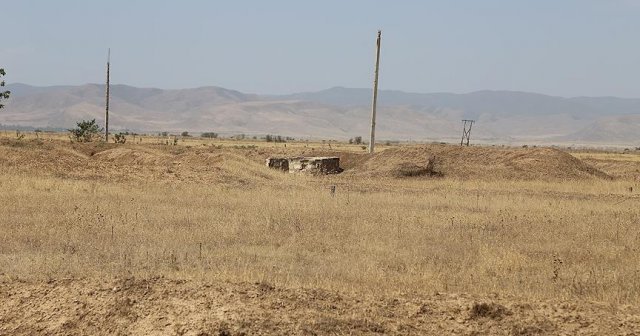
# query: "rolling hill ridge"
x,y
502,116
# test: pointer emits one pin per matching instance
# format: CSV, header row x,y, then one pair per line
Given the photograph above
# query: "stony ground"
x,y
161,306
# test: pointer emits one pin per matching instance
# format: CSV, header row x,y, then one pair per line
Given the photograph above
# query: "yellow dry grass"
x,y
191,141
625,157
625,165
565,239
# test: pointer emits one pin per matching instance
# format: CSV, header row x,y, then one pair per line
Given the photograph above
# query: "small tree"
x,y
357,140
185,134
3,94
86,131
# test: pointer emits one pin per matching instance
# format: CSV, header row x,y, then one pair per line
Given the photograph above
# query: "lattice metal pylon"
x,y
466,131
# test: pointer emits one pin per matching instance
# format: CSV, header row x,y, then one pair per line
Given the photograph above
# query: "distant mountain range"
x,y
502,116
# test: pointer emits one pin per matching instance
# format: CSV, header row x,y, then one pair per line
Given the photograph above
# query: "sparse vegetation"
x,y
427,235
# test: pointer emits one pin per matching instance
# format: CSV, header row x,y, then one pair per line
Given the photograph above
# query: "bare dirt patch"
x,y
164,306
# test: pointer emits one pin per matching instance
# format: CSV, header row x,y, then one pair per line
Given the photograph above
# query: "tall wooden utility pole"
x,y
106,111
372,139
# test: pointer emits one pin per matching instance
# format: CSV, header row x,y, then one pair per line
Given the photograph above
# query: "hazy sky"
x,y
558,47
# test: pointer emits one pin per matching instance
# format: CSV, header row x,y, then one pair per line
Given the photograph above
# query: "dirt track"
x,y
162,306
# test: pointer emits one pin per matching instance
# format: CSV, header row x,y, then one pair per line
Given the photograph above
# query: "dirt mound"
x,y
244,166
163,306
132,162
186,164
478,163
38,157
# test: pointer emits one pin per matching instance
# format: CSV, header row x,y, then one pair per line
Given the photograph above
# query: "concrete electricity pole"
x,y
106,112
372,139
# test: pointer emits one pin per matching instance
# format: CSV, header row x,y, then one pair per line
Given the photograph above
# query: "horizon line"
x,y
322,90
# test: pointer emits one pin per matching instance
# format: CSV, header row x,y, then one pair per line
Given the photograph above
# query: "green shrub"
x,y
86,131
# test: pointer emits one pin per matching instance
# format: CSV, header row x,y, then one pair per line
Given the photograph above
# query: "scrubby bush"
x,y
120,138
85,131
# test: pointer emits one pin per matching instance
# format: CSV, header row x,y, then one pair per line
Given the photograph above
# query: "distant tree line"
x,y
276,138
211,135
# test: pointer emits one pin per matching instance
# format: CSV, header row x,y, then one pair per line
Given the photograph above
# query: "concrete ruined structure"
x,y
312,165
278,163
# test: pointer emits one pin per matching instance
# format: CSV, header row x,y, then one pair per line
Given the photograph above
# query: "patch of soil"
x,y
488,310
165,306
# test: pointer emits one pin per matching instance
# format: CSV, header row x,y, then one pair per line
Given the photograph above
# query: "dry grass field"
x,y
202,238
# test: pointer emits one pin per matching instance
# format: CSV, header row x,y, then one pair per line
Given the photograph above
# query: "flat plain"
x,y
201,238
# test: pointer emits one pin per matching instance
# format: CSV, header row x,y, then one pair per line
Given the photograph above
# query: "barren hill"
x,y
610,129
502,116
